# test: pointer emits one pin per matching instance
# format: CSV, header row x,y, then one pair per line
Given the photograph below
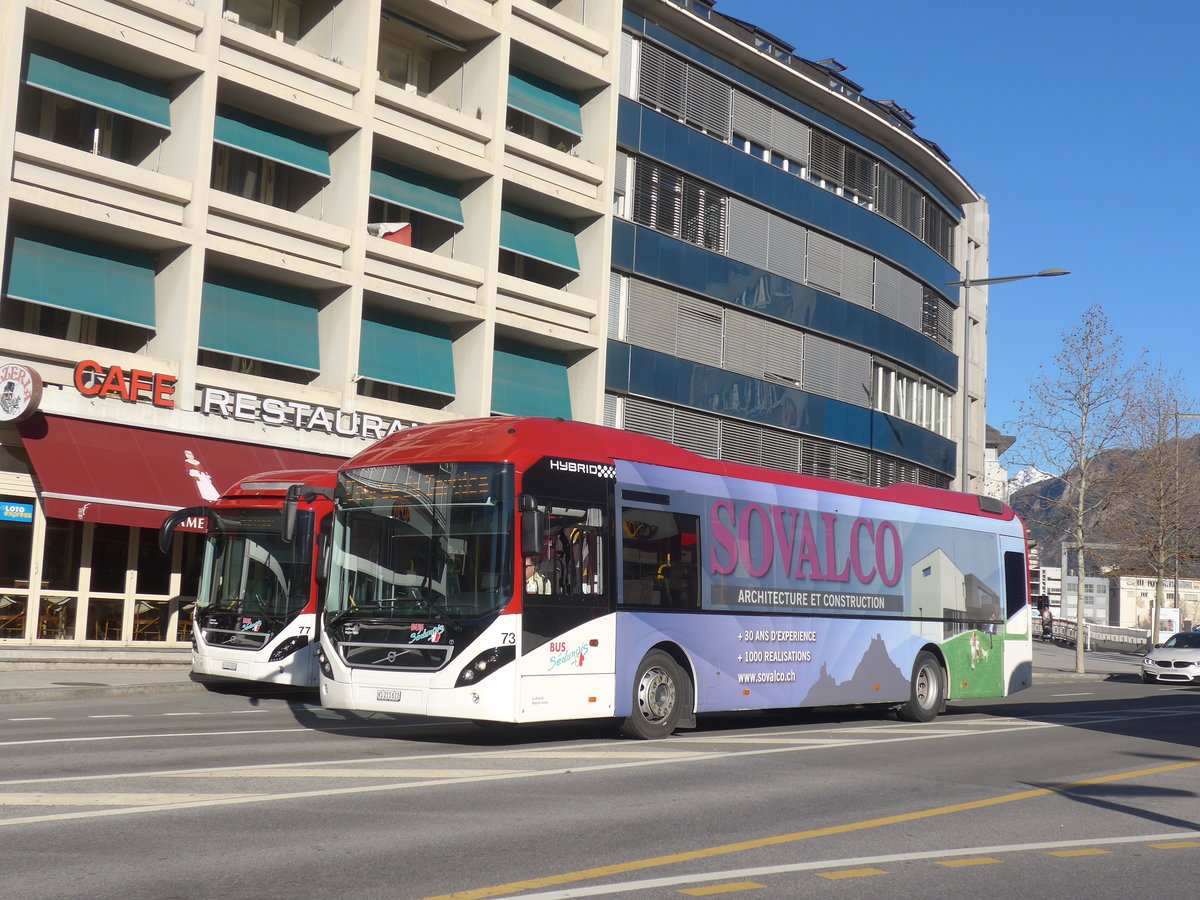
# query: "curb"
x,y
83,692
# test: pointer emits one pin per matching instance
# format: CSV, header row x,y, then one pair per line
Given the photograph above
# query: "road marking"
x,y
517,887
963,863
281,772
1077,694
1176,845
1083,851
851,873
44,799
722,889
113,716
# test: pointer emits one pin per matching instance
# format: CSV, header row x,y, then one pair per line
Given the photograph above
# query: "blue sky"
x,y
1078,122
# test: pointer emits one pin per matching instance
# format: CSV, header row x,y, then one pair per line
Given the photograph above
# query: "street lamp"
x,y
966,284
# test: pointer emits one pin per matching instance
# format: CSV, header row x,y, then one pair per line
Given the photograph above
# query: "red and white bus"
x,y
528,570
260,586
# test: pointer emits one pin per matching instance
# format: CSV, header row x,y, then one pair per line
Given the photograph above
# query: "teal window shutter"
x,y
98,84
545,100
407,187
81,275
528,233
271,140
413,353
529,381
259,320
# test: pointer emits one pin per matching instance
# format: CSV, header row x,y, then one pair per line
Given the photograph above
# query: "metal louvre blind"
x,y
910,303
621,174
860,173
887,470
703,216
945,323
698,331
790,138
698,432
824,262
939,231
662,80
747,239
650,316
888,199
786,248
820,366
707,102
629,51
783,352
858,277
828,156
657,196
854,376
644,417
913,210
743,344
615,306
751,119
612,411
741,442
816,458
929,313
853,464
887,290
780,450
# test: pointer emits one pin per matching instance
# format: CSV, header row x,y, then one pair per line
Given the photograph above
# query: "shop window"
x,y
16,542
56,618
659,558
153,566
151,619
104,620
64,324
62,554
110,553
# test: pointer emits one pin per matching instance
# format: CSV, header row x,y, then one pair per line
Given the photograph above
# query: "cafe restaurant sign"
x,y
245,407
95,380
20,392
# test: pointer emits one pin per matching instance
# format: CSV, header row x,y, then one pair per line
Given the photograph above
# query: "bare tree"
x,y
1155,514
1079,408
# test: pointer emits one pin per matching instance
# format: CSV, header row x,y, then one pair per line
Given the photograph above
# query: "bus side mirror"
x,y
533,526
287,527
166,531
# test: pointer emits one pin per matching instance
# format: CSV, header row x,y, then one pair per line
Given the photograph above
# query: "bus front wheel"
x,y
927,690
659,690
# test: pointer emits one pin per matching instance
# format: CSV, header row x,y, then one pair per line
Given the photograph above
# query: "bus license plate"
x,y
382,694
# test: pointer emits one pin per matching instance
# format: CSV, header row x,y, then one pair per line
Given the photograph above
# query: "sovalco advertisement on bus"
x,y
840,591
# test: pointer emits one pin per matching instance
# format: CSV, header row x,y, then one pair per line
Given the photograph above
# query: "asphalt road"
x,y
1074,788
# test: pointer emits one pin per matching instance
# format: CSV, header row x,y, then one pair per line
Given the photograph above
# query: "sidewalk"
x,y
1051,662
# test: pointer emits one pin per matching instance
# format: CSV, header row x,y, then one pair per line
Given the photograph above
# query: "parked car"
x,y
1176,660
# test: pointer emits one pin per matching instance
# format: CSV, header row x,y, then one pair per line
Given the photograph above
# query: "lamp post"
x,y
966,284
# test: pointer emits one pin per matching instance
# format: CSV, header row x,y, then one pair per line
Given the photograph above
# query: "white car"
x,y
1177,660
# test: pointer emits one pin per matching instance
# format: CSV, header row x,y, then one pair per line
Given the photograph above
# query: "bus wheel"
x,y
928,690
658,693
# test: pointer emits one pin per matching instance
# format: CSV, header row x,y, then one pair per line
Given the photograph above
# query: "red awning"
x,y
121,475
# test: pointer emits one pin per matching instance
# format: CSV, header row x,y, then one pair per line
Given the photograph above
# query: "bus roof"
x,y
522,441
276,483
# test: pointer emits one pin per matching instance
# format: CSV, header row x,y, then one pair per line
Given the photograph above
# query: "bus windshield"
x,y
250,571
421,540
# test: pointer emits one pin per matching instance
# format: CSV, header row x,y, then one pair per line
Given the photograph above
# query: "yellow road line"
x,y
850,873
730,888
1088,851
515,887
1175,845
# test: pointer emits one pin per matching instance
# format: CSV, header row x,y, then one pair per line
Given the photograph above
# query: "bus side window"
x,y
660,553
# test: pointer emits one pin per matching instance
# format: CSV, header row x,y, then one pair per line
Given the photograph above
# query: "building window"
x,y
542,132
253,177
531,269
424,232
673,203
64,324
247,366
403,65
279,19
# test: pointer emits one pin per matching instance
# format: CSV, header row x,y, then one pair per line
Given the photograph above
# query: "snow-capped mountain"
x,y
1026,477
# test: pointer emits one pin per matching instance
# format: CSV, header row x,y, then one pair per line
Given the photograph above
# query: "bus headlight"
x,y
485,664
326,669
288,647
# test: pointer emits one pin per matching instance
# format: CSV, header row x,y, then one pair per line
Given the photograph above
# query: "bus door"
x,y
567,595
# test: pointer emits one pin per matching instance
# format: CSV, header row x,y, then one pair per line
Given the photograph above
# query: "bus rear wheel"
x,y
927,690
659,689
